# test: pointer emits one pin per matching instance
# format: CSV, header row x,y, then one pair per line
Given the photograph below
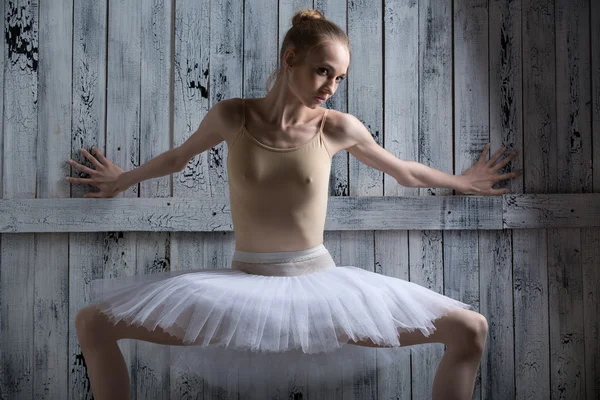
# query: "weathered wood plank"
x,y
89,111
123,134
532,355
573,106
532,348
496,272
365,102
426,269
565,290
203,172
287,8
336,11
51,275
472,133
17,348
357,249
461,275
345,213
400,137
392,259
496,303
574,172
435,150
201,214
590,262
595,94
590,238
152,369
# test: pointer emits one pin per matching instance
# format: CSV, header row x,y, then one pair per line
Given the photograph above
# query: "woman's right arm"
x,y
111,179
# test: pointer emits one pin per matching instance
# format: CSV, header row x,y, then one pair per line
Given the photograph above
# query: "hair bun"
x,y
306,15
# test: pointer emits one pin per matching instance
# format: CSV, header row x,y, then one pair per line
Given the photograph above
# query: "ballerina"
x,y
283,292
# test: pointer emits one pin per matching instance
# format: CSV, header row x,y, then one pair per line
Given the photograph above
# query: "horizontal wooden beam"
x,y
344,213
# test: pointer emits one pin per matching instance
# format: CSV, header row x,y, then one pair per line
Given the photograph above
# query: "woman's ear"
x,y
288,59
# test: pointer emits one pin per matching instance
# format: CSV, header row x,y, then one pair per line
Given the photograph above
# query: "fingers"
x,y
99,154
82,168
509,175
91,158
496,156
483,153
79,180
505,161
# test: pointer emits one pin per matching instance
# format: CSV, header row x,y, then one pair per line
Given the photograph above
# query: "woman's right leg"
x,y
464,333
106,367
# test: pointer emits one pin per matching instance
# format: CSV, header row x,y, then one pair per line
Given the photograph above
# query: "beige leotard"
x,y
278,196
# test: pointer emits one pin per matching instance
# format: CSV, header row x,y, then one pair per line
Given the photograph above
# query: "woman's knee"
x,y
473,330
90,324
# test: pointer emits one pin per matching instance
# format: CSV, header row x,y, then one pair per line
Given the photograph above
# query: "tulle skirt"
x,y
272,317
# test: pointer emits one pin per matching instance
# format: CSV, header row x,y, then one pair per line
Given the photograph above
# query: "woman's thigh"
x,y
448,329
94,325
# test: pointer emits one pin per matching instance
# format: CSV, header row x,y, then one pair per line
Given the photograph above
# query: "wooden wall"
x,y
433,81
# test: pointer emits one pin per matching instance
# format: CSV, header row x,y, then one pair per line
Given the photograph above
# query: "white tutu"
x,y
277,315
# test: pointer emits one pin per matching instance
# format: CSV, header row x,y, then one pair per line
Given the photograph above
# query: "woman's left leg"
x,y
464,333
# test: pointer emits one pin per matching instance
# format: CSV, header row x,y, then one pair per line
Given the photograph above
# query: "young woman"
x,y
283,292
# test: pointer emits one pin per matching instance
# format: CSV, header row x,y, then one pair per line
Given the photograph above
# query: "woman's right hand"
x,y
104,177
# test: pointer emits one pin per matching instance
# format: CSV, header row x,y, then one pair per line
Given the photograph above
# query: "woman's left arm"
x,y
477,180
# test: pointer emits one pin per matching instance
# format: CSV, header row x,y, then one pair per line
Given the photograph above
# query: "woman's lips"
x,y
320,99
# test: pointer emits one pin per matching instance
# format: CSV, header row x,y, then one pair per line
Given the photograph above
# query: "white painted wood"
x,y
357,249
191,86
365,102
152,369
426,269
392,259
400,123
123,135
401,87
365,88
287,8
556,210
461,275
202,214
532,354
472,133
260,46
335,11
539,97
496,272
51,274
532,351
86,261
506,94
344,213
21,68
496,304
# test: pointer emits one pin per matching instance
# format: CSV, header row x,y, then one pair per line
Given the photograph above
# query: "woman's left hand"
x,y
483,175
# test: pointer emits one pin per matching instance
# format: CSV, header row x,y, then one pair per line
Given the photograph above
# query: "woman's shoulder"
x,y
230,116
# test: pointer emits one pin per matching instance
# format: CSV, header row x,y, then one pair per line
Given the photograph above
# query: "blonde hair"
x,y
310,29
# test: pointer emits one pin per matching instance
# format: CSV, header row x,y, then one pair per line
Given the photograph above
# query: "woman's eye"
x,y
339,78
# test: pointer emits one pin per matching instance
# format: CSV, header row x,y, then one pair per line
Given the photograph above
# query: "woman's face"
x,y
319,74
